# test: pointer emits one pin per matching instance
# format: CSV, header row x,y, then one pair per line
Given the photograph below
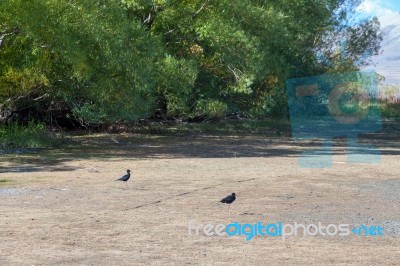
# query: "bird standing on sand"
x,y
228,200
125,177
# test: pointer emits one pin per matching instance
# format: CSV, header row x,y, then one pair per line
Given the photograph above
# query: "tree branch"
x,y
9,31
201,8
5,33
193,16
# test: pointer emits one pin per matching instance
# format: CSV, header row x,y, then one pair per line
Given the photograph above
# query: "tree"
x,y
122,60
85,55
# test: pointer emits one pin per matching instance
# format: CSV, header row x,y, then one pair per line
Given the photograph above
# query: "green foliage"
x,y
120,61
176,80
32,135
389,103
212,108
389,110
85,53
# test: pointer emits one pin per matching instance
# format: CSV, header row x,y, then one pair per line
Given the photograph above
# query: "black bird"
x,y
228,200
125,177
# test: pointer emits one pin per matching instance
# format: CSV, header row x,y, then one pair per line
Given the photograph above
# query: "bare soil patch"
x,y
63,206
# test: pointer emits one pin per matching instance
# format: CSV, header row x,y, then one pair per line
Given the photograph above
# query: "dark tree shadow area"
x,y
193,145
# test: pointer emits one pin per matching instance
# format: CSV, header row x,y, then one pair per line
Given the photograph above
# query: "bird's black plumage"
x,y
229,199
125,177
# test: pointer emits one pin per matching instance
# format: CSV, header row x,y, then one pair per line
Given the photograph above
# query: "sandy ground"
x,y
62,206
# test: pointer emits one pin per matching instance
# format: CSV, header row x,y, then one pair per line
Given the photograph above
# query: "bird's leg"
x,y
229,210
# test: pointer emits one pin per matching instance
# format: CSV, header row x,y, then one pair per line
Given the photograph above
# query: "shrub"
x,y
31,135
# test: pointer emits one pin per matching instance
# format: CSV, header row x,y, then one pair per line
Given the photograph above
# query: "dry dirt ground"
x,y
63,206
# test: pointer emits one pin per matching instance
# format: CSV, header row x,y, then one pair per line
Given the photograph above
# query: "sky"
x,y
388,13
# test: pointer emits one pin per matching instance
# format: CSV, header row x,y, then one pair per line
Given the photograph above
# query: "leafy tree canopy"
x,y
122,60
